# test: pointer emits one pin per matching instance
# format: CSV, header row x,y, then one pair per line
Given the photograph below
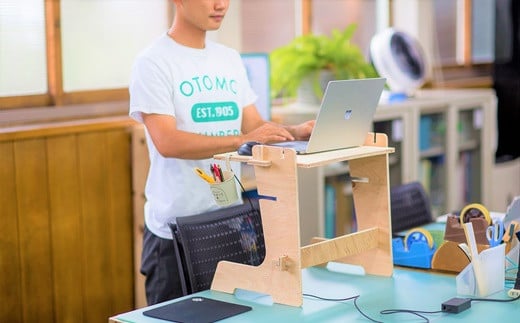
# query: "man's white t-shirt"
x,y
205,90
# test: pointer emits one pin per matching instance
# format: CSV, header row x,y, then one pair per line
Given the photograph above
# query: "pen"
x,y
212,172
221,174
216,173
203,175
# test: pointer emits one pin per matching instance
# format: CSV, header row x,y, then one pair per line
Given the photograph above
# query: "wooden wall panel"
x,y
67,241
96,230
10,267
121,220
66,237
140,166
34,235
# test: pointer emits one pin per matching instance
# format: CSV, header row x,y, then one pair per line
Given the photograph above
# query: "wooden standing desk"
x,y
276,175
405,289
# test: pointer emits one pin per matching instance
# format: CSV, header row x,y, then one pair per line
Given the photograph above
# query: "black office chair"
x,y
202,240
410,207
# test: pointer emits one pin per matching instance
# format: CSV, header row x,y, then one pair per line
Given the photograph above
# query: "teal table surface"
x,y
406,289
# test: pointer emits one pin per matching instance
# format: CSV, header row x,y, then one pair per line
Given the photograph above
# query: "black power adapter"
x,y
456,305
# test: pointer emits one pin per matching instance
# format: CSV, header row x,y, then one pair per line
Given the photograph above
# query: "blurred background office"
x,y
71,51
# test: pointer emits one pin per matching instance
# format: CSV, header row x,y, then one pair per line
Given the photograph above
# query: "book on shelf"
x,y
330,211
338,207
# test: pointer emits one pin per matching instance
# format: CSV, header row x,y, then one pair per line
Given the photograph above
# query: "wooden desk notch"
x,y
276,175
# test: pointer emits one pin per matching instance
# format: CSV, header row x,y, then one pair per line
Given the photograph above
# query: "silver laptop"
x,y
345,116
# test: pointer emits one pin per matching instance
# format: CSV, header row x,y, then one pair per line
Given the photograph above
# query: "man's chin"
x,y
213,27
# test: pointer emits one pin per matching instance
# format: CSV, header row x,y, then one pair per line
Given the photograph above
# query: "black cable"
x,y
354,298
517,282
495,300
360,311
395,311
418,313
414,312
332,299
243,191
384,312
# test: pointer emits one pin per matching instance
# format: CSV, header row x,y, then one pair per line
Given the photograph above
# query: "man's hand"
x,y
303,130
269,133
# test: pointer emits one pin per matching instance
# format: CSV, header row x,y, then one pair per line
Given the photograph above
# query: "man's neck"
x,y
190,37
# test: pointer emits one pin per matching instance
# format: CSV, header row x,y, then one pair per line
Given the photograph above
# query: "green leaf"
x,y
309,54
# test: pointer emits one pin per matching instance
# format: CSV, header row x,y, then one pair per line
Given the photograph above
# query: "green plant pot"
x,y
312,88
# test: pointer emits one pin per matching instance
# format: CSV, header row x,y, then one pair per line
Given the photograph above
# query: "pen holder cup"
x,y
225,193
492,267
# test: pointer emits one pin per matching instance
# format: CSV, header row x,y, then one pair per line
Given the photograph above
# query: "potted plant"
x,y
312,57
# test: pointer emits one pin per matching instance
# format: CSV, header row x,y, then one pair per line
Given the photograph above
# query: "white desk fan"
x,y
399,58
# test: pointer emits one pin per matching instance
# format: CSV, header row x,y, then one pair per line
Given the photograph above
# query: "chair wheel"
x,y
418,234
474,210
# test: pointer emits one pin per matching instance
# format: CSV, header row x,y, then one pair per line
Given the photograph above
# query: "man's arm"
x,y
171,142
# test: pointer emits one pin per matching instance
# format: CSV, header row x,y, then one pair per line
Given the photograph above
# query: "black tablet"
x,y
197,310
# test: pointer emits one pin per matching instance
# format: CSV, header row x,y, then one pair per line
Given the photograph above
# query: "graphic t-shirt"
x,y
205,90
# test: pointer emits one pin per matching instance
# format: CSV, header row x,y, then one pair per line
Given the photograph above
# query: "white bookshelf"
x,y
464,140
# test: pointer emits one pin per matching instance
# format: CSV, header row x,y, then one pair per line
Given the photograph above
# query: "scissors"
x,y
495,233
509,235
203,175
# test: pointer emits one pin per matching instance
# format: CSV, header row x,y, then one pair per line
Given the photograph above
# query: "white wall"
x,y
230,32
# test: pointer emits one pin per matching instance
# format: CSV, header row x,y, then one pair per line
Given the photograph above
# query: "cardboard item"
x,y
492,274
225,193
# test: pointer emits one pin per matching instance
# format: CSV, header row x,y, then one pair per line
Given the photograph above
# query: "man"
x,y
195,101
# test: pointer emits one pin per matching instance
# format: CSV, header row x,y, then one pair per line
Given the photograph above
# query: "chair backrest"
x,y
202,240
410,206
